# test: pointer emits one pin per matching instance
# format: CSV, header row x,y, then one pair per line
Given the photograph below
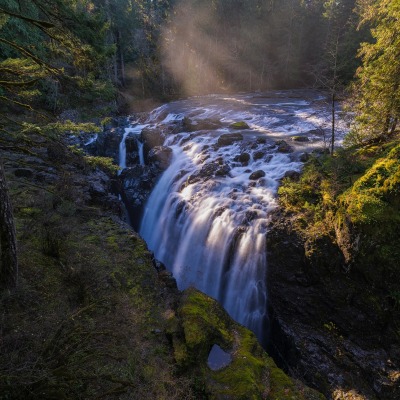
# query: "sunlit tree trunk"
x,y
8,241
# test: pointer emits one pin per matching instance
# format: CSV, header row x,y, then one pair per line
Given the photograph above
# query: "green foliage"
x,y
375,197
105,163
51,56
377,90
353,200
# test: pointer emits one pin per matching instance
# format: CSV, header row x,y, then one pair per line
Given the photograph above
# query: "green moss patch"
x,y
250,375
239,125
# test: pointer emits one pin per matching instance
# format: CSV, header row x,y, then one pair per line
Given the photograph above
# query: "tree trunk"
x,y
333,122
393,128
8,239
121,57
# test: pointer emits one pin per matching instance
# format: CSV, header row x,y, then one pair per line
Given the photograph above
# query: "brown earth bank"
x,y
331,326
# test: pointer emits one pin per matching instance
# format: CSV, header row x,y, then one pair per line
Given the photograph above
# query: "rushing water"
x,y
207,217
135,131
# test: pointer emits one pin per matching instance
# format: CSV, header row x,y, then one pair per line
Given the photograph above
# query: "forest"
x,y
87,309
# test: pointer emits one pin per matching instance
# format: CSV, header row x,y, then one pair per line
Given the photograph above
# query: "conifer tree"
x,y
58,55
378,87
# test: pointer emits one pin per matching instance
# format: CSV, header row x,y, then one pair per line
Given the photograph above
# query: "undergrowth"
x,y
352,198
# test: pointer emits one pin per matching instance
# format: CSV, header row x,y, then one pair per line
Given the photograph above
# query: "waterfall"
x,y
211,232
132,130
91,140
140,150
207,217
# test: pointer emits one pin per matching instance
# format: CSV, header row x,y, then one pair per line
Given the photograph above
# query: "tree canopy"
x,y
377,89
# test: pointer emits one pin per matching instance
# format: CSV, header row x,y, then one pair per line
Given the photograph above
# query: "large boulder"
x,y
208,171
244,158
239,125
131,144
300,139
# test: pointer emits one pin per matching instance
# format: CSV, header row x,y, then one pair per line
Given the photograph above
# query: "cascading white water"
x,y
140,150
91,140
206,219
132,130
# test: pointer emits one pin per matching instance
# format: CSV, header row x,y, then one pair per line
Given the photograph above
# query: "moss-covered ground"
x,y
87,320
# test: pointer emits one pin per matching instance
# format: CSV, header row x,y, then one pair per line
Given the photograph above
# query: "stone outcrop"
x,y
135,186
328,325
151,137
189,125
160,156
107,143
198,323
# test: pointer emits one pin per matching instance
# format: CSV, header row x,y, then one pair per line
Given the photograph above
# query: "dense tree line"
x,y
171,47
92,55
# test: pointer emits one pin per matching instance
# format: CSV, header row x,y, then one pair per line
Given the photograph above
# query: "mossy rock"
x,y
251,374
300,139
239,125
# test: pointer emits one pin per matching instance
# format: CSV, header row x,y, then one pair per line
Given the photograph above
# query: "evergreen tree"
x,y
60,56
377,89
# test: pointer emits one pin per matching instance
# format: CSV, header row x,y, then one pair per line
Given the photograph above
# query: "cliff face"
x,y
330,324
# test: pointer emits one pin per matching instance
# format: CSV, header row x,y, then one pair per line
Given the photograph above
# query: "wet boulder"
x,y
258,155
261,140
160,156
300,139
304,157
292,175
244,158
257,175
283,147
223,170
151,137
239,125
131,144
228,139
207,172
